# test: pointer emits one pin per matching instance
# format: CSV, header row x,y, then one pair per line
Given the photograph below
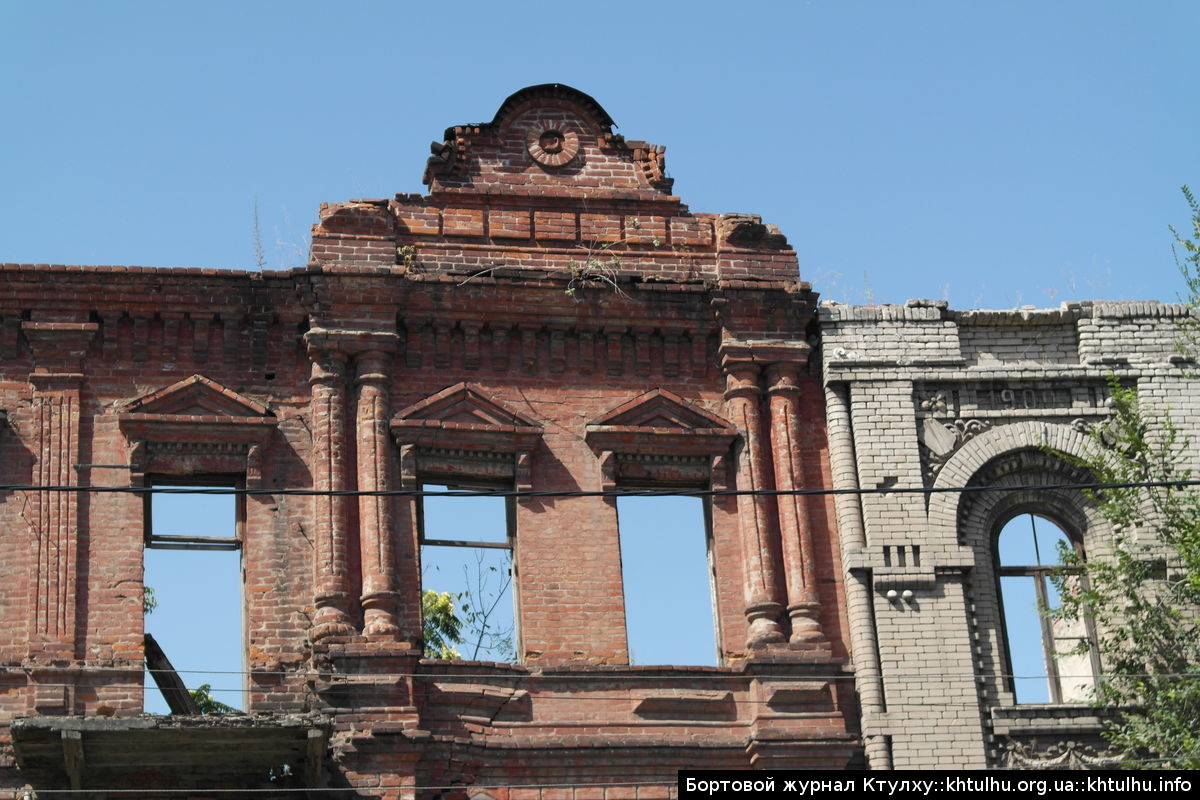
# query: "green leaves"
x,y
1143,591
149,601
441,625
205,702
1143,594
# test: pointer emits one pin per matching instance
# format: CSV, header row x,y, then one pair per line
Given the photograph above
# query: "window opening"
x,y
668,580
193,580
467,575
1044,654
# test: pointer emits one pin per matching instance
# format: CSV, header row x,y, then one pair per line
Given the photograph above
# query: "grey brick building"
x,y
956,669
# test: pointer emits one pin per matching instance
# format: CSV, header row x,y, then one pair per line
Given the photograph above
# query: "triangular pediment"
x,y
662,409
465,404
661,423
196,396
464,415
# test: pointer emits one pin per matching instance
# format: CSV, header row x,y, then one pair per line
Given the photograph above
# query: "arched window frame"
x,y
1041,575
1018,459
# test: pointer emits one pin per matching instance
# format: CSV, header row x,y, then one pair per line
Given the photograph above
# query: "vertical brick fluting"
x,y
54,517
59,349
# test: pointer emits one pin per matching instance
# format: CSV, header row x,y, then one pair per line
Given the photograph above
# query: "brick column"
x,y
331,513
58,351
803,605
379,597
760,562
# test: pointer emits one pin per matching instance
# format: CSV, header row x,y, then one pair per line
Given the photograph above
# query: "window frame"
x,y
1040,575
710,560
452,484
195,543
158,541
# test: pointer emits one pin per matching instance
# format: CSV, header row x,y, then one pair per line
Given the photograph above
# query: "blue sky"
x,y
995,154
991,154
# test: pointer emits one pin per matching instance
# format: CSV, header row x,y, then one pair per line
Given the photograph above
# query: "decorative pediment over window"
x,y
195,427
660,438
462,432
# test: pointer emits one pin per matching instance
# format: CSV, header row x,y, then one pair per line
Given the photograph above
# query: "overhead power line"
x,y
523,493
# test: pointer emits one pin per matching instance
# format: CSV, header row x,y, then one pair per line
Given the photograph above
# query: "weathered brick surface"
x,y
555,283
920,395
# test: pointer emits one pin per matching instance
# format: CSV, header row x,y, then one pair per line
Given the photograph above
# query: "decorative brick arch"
x,y
1000,441
1015,456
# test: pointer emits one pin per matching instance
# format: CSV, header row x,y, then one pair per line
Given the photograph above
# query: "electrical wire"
x,y
523,493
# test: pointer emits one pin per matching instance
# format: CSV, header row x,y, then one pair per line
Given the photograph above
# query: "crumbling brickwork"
x,y
547,318
921,396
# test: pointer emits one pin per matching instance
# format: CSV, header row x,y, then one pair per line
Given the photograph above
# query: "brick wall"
x,y
924,396
548,318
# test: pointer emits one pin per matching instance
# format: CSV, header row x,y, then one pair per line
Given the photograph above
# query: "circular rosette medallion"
x,y
552,147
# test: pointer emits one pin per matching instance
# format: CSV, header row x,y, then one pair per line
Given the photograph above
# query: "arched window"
x,y
1044,654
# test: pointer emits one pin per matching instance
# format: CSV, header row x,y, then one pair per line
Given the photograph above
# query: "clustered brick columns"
x,y
379,597
58,350
803,607
742,400
332,352
331,579
743,365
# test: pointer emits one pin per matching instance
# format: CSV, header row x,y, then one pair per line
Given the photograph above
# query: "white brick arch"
x,y
965,465
1022,457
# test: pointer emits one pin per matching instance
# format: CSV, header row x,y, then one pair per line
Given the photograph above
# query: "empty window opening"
x,y
1051,660
467,576
193,583
668,581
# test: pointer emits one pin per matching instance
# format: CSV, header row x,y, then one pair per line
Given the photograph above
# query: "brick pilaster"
x,y
803,605
743,397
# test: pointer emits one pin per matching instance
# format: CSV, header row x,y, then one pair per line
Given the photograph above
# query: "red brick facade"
x,y
548,318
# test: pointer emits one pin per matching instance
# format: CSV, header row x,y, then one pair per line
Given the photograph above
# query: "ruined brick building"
x,y
550,321
488,334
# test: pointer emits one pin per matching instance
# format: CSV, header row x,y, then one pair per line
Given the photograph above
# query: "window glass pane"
x,y
475,519
1025,650
1016,543
1074,662
668,581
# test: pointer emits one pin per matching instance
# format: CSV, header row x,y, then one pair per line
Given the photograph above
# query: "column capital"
x,y
349,342
738,353
371,366
783,377
59,347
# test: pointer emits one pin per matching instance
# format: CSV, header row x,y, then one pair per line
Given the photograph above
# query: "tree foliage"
x,y
441,626
207,704
1187,258
466,619
1143,590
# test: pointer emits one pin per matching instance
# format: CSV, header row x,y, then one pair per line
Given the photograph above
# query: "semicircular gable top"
x,y
546,189
547,140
